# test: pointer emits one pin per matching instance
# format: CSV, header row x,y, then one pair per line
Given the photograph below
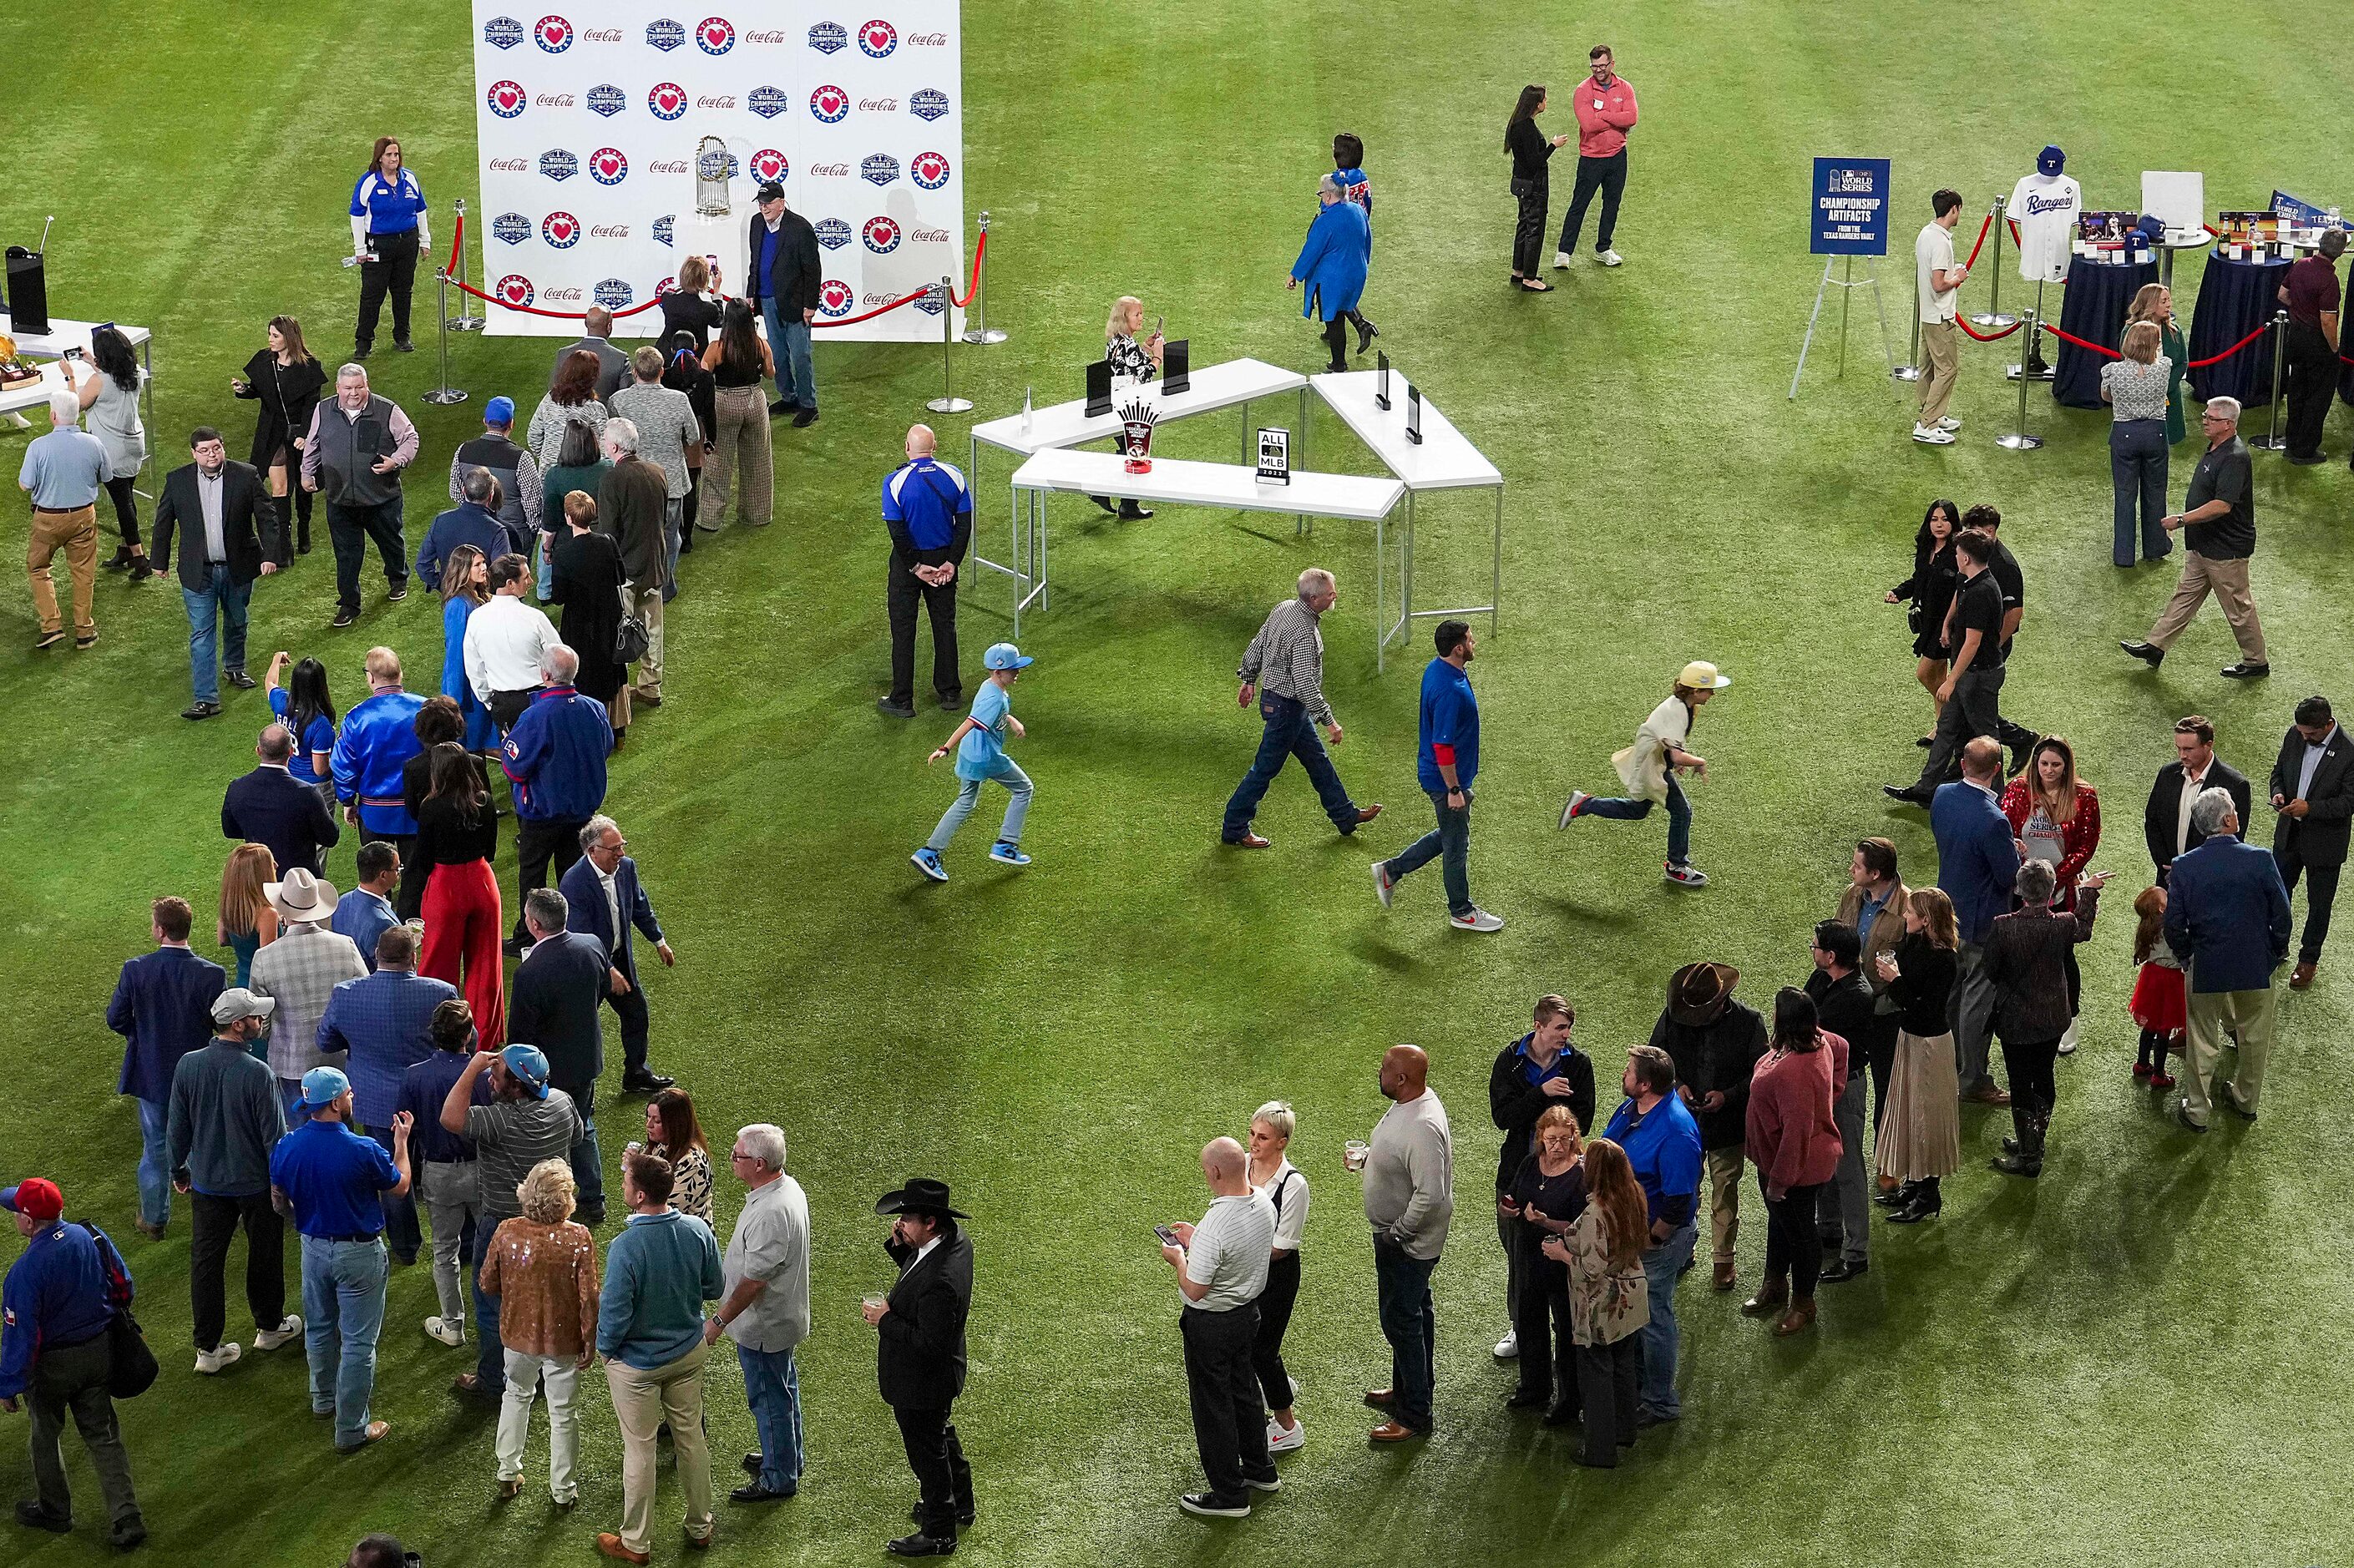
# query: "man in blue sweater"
x,y
556,757
2227,918
1978,861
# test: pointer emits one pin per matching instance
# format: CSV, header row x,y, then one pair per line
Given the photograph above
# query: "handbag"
x,y
632,637
131,1367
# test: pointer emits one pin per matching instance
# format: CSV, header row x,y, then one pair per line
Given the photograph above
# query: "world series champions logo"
x,y
1137,417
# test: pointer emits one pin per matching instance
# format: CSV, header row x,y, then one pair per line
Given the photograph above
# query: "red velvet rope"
x,y
2194,365
1981,239
1986,336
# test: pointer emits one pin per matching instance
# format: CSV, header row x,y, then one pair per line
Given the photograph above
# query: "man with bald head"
x,y
1221,1265
927,506
554,757
270,806
1409,1171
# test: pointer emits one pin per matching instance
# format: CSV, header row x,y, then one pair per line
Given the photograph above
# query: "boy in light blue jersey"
x,y
979,745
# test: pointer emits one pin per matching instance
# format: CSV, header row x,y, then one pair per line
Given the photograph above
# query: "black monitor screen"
x,y
1177,366
1099,388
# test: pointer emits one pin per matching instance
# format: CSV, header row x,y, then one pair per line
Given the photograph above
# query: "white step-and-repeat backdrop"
x,y
589,121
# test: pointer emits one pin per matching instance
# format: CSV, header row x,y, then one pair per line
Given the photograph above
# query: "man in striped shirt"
x,y
1284,669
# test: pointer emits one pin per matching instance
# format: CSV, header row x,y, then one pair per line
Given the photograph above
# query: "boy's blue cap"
x,y
1005,656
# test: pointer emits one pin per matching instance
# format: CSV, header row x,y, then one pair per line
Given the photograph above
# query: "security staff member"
x,y
928,508
387,229
55,1355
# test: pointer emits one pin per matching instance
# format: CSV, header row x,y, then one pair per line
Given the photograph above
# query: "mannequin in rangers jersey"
x,y
2045,205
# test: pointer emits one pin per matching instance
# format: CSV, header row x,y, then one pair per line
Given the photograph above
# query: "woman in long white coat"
x,y
1649,768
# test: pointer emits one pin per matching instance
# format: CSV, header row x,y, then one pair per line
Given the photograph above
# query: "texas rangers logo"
x,y
927,103
664,34
511,228
666,99
828,38
514,289
503,32
607,99
558,165
836,298
879,168
768,102
878,39
768,163
553,34
832,233
929,170
614,294
507,99
715,35
560,230
881,235
829,103
608,167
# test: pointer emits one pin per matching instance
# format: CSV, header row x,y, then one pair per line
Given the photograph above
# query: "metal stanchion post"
x,y
2018,440
445,393
463,322
1993,316
947,402
1911,369
980,332
2273,440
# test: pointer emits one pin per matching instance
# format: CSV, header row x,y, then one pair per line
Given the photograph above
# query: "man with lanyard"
x,y
1535,1072
555,758
927,506
387,231
56,1355
378,735
1662,1141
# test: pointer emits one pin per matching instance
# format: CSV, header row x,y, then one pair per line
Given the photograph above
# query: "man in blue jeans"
x,y
233,536
1662,1143
783,284
1284,668
1409,1167
1447,760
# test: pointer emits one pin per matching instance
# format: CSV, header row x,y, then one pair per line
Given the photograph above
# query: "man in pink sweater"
x,y
1605,107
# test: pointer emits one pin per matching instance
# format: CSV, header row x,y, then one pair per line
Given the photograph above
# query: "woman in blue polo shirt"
x,y
387,223
304,706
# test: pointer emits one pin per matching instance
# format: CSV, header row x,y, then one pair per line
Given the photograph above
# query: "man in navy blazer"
x,y
1978,861
608,902
2313,791
270,806
552,1003
2227,918
163,1008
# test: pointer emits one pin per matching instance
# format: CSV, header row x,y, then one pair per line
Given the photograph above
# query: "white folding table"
x,y
1177,482
1061,425
34,394
1443,460
64,335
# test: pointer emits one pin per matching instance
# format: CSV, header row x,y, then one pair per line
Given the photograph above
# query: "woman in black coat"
x,y
287,381
589,578
1929,593
1530,151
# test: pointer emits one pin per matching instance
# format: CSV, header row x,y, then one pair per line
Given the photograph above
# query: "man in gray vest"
x,y
357,445
512,466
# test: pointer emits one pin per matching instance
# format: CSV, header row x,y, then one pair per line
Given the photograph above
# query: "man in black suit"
x,y
2166,821
919,1356
2313,791
605,901
270,806
612,364
553,1003
234,535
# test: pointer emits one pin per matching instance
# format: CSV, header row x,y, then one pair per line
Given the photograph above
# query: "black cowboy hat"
x,y
922,1195
1698,992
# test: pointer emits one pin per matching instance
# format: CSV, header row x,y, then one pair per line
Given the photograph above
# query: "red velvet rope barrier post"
x,y
2096,348
1982,240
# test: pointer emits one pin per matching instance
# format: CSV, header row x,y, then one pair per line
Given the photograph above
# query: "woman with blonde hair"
x,y
2155,303
1609,1299
1920,1137
541,1268
689,307
1137,362
466,588
248,923
1547,1195
1649,768
2136,388
1273,1177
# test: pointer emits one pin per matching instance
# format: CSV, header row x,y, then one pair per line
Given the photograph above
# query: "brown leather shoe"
x,y
1801,1315
1990,1096
1367,813
610,1545
1394,1432
2301,977
1381,1398
1250,841
1721,1276
1768,1301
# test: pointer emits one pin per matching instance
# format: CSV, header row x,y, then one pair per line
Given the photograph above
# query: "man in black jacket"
x,y
234,535
2166,820
1535,1072
1845,1006
920,1358
782,283
2312,791
270,806
556,1003
1716,1043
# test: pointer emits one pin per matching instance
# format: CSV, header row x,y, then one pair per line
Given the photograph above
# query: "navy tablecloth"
x,y
2234,299
2097,298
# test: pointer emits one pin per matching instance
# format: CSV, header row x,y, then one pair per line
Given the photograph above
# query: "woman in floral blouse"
x,y
673,1132
1137,362
541,1267
1609,1300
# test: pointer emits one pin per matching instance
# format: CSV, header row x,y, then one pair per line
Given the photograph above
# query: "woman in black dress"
x,y
288,382
1546,1196
589,578
685,373
1529,150
1930,592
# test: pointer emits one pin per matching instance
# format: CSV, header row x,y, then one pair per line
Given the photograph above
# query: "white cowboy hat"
x,y
301,897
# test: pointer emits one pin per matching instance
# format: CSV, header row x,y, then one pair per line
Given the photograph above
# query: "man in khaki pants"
x,y
64,472
660,1269
2219,527
2227,919
1937,281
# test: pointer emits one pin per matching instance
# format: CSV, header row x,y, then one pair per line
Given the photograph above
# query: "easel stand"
x,y
2035,369
1847,280
1911,369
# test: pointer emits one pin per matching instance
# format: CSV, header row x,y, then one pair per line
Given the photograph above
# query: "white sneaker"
x,y
1610,259
1278,1441
1561,260
1508,1348
1577,798
449,1330
1685,875
1383,882
213,1360
290,1328
1949,423
2068,1042
1933,436
1478,920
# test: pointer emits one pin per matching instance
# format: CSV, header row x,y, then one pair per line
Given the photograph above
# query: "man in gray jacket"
x,y
1409,1171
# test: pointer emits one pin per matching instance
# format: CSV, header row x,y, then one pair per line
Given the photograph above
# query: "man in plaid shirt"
x,y
1284,668
302,970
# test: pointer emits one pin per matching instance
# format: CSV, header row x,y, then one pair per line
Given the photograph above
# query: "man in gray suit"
x,y
614,365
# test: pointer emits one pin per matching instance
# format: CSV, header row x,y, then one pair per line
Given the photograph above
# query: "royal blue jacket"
x,y
163,1008
62,1291
1332,263
377,736
2227,915
1978,860
556,756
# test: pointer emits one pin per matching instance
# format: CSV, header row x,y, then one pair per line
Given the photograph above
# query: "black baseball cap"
x,y
773,190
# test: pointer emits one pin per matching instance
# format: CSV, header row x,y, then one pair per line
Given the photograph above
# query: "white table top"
x,y
34,394
1225,485
64,335
1213,387
1445,460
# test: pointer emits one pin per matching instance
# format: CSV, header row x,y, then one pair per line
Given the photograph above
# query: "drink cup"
x,y
1355,1152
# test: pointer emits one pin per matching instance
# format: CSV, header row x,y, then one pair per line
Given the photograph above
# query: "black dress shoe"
x,y
1908,793
1105,502
1895,1197
346,617
39,1518
201,711
921,1545
2021,754
403,345
2147,652
779,408
804,417
1129,512
361,350
890,709
1527,1398
756,1493
239,679
1366,332
645,1083
119,561
1563,1413
2243,671
1839,1270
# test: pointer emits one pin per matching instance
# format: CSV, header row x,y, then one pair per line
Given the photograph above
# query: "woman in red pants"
x,y
457,835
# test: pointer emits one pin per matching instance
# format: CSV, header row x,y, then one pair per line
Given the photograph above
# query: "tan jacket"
x,y
1885,933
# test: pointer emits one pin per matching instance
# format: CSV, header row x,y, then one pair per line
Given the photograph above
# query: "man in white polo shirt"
x,y
1937,283
508,640
1222,1266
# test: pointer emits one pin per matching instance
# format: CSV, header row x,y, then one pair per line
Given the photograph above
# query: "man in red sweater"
x,y
1605,107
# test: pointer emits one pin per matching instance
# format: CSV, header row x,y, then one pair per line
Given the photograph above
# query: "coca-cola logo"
x,y
553,100
600,34
666,99
562,296
764,35
828,37
928,104
560,230
558,165
877,105
514,289
828,171
667,166
926,40
607,99
836,298
723,101
608,231
928,236
506,98
829,103
878,168
929,170
510,166
768,102
511,228
832,233
664,34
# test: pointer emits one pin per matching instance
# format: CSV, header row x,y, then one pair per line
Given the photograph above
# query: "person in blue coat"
x,y
2227,919
162,1007
1332,265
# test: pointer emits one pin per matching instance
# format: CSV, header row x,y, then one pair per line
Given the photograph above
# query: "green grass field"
x,y
2134,1361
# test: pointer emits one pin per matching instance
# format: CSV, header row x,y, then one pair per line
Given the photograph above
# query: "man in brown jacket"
x,y
631,504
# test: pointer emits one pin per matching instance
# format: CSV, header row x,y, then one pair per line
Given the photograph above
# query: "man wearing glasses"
x,y
604,899
2219,524
765,1308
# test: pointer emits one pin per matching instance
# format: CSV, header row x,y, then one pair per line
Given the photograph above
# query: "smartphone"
x,y
1168,1238
1157,323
